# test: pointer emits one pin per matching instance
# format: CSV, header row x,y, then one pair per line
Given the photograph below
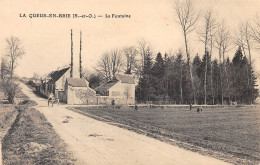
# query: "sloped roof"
x,y
77,82
125,78
56,75
104,87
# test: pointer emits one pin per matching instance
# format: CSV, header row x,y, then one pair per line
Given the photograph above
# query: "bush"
x,y
9,88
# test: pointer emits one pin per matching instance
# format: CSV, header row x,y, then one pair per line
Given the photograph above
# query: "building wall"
x,y
80,95
60,84
122,93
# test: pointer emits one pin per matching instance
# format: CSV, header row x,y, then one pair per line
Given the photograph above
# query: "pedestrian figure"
x,y
136,107
50,98
190,106
198,110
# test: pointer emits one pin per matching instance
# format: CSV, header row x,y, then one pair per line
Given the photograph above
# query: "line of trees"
x,y
168,79
185,77
214,33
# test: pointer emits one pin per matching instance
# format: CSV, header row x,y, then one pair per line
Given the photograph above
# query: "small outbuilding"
x,y
77,91
120,90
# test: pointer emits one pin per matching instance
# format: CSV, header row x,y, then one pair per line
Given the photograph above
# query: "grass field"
x,y
229,133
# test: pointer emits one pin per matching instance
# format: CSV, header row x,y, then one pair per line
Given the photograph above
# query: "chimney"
x,y
71,65
80,62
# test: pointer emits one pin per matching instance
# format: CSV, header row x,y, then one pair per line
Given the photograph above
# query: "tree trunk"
x,y
250,70
12,69
211,72
190,68
181,87
71,65
225,70
206,69
80,61
221,75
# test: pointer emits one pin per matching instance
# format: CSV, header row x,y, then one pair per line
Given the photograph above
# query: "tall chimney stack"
x,y
80,62
71,64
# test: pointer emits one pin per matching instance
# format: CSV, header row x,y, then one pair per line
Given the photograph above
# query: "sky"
x,y
47,40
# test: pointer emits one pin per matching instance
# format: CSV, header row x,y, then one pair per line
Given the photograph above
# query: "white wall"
x,y
80,95
60,84
123,93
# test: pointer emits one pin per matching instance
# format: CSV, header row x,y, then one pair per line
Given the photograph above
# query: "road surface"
x,y
97,143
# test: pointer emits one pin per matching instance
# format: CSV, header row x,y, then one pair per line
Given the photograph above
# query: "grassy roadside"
x,y
31,138
7,116
8,112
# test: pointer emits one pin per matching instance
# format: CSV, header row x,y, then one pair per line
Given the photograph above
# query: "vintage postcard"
x,y
129,82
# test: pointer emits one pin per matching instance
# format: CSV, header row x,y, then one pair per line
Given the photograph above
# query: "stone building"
x,y
121,90
54,82
77,91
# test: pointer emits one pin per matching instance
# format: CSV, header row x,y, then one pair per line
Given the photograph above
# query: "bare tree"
x,y
255,28
244,39
116,61
85,73
36,76
187,18
219,39
80,60
14,51
130,54
144,48
110,64
223,44
239,39
206,35
225,48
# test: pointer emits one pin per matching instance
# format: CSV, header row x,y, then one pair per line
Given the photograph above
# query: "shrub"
x,y
9,88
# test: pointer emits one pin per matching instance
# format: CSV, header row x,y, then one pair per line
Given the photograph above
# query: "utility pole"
x,y
80,61
71,65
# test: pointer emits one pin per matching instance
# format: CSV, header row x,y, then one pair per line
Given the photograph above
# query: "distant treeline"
x,y
167,78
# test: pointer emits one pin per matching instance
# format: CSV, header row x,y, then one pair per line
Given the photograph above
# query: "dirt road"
x,y
95,142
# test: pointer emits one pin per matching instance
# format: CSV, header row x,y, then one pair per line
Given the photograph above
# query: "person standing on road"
x,y
50,98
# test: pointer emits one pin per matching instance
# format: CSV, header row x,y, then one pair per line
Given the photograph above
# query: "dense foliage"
x,y
167,80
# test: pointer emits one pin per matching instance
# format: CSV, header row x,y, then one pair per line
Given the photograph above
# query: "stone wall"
x,y
80,95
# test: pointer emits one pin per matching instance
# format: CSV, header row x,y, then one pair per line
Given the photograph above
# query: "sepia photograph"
x,y
129,82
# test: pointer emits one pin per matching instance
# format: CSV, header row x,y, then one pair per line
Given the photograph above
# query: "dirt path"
x,y
96,142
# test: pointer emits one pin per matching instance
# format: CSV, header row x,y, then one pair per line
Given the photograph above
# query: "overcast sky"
x,y
47,40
